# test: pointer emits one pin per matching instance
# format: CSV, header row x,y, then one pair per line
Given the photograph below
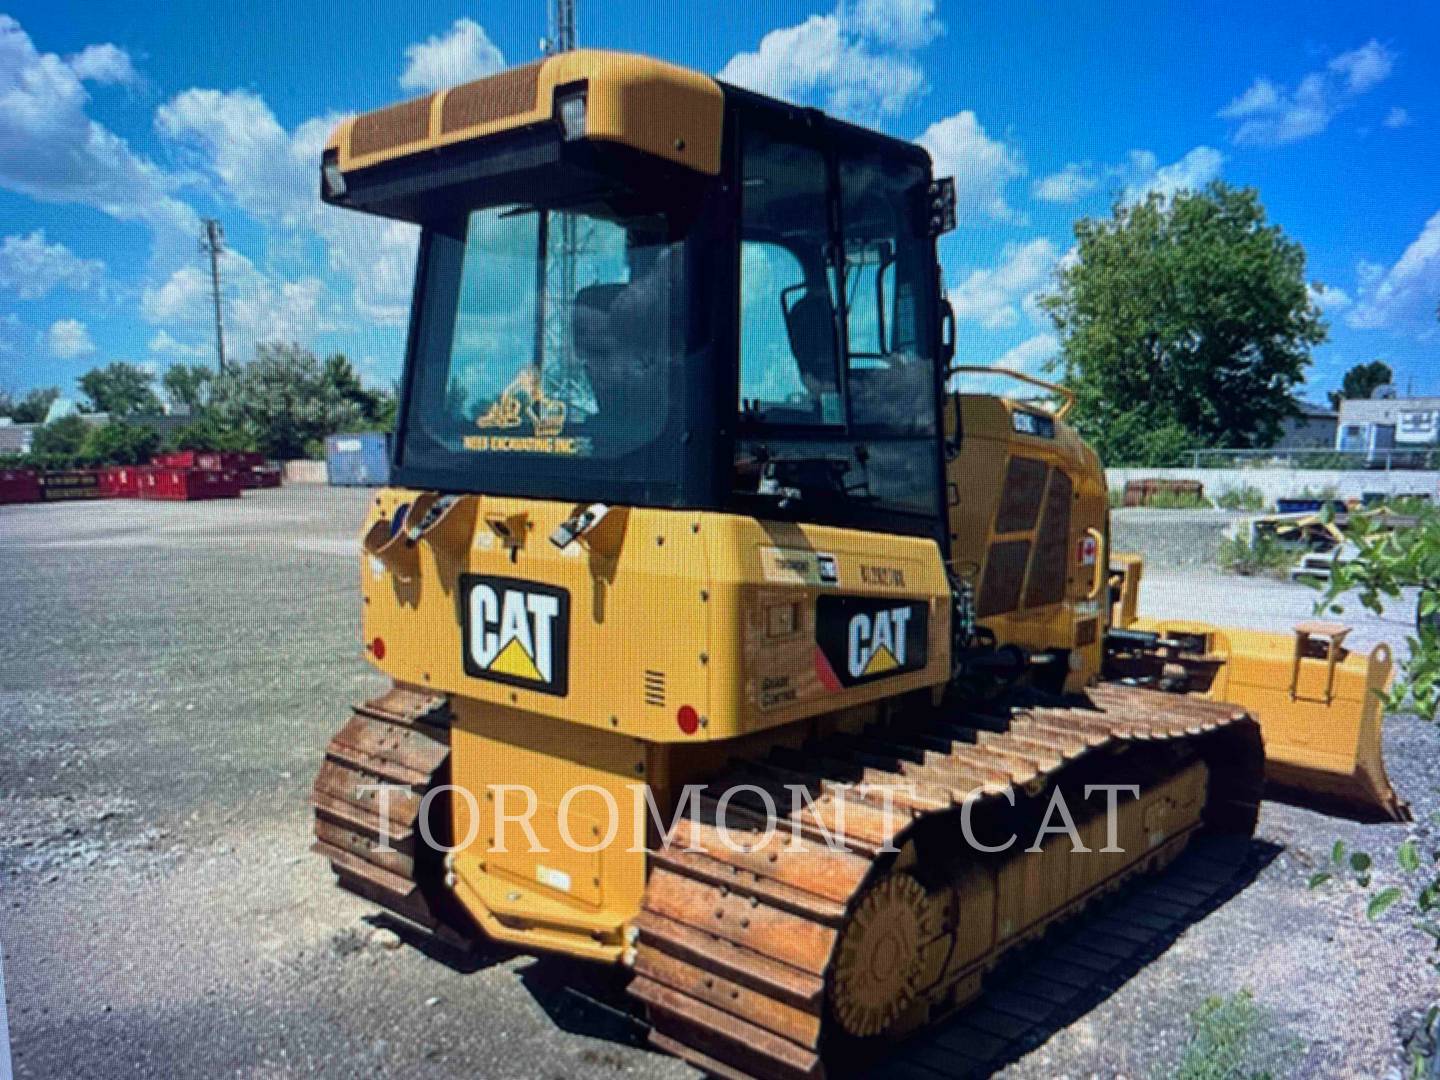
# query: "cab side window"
x,y
886,260
789,373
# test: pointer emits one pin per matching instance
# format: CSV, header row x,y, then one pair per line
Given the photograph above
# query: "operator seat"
x,y
617,340
810,325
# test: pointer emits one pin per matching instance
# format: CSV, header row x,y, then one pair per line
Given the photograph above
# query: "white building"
x,y
1389,423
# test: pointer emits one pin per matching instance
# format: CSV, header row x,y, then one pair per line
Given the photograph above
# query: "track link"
x,y
737,951
400,739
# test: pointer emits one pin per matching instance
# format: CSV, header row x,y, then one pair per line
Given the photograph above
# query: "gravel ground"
x,y
172,672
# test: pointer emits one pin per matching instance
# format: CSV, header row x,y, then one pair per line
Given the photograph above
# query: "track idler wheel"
x,y
877,966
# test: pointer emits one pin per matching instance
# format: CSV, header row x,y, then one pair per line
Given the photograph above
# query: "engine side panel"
x,y
1029,528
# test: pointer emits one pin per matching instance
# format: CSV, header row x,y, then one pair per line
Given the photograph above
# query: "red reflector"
x,y
377,648
688,719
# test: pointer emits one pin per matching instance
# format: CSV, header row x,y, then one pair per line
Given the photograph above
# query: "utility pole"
x,y
560,346
212,242
562,27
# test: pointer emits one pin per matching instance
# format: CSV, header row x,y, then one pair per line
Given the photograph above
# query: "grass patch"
x,y
1229,1041
1178,500
1265,556
1241,498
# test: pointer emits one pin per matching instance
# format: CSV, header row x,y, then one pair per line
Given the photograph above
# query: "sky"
x,y
123,125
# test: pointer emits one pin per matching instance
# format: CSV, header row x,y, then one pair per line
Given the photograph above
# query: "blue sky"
x,y
123,124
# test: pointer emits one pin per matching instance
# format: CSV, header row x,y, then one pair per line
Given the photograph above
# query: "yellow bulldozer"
x,y
690,537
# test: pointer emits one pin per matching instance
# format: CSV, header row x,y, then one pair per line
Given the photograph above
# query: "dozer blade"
x,y
1317,702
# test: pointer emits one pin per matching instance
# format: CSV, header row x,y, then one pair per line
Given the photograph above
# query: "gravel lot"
x,y
172,673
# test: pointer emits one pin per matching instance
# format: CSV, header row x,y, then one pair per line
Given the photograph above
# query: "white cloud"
x,y
180,298
256,307
105,64
1364,67
33,268
1133,179
1143,175
69,339
1269,114
981,166
1031,355
1396,117
1328,298
905,24
55,153
1405,295
993,297
857,62
162,344
463,54
1073,182
234,135
10,331
272,175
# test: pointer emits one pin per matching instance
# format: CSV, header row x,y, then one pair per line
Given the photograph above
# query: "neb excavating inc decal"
x,y
516,632
863,638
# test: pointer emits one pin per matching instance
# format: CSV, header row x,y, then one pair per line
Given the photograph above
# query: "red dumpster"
x,y
19,486
185,485
260,476
176,459
120,482
64,485
228,459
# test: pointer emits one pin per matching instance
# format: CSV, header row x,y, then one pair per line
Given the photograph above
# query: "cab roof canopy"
x,y
647,105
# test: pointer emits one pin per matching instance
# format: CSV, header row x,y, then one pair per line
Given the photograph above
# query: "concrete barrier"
x,y
1284,483
304,472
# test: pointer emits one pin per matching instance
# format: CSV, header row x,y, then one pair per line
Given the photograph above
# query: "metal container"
x,y
120,482
64,485
359,460
19,486
228,459
260,476
187,485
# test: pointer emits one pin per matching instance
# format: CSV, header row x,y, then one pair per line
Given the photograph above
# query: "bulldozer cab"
x,y
593,322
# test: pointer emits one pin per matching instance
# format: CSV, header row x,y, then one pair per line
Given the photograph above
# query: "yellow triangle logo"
x,y
881,661
516,662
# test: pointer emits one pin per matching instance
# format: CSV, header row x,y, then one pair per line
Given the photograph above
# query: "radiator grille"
x,y
655,688
399,124
487,100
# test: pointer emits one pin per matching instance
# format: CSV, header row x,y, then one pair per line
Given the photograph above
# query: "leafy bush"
x,y
62,439
119,444
1266,555
208,433
1178,500
1227,1042
1387,562
1241,498
286,400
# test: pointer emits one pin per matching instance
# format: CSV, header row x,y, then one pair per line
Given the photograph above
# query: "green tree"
x,y
62,439
1361,381
120,389
31,409
187,384
1189,315
119,444
376,407
283,399
207,432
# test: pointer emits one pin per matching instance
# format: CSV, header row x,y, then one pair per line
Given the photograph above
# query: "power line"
x,y
212,242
